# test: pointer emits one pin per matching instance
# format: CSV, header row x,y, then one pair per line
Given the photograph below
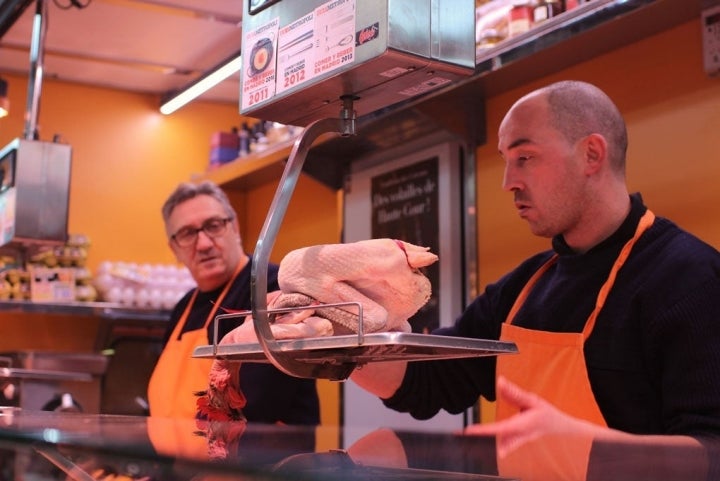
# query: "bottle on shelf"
x,y
261,141
570,4
546,9
520,17
244,140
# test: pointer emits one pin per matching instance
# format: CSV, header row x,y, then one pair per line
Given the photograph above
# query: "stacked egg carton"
x,y
143,286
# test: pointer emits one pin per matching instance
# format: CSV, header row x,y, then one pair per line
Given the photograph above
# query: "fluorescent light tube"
x,y
199,87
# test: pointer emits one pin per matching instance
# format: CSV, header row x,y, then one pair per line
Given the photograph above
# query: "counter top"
x,y
86,447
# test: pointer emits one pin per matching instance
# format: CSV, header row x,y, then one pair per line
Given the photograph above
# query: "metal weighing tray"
x,y
335,357
376,347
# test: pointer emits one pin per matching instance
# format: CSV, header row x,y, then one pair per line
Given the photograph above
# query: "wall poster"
x,y
412,193
405,206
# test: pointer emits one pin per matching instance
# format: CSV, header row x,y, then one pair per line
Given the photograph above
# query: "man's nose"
x,y
203,240
510,179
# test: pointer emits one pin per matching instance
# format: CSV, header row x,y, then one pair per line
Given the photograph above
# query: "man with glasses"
x,y
203,234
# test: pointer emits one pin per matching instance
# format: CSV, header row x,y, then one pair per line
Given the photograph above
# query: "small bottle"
x,y
570,4
546,9
261,141
244,140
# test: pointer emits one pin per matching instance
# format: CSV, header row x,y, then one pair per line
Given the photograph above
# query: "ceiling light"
x,y
4,100
219,73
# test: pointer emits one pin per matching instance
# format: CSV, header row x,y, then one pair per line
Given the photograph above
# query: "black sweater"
x,y
272,396
654,355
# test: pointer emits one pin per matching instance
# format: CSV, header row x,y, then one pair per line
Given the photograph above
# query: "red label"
x,y
367,34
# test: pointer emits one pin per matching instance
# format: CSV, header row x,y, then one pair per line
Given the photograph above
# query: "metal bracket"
x,y
343,126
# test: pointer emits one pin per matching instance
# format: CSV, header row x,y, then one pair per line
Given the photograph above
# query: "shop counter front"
x,y
40,446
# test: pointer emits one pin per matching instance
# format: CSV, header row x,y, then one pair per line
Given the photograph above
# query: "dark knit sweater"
x,y
272,396
653,358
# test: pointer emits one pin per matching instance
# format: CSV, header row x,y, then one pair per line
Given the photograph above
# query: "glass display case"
x,y
40,446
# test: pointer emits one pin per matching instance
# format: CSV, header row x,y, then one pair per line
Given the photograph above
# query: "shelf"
x,y
590,30
252,170
104,310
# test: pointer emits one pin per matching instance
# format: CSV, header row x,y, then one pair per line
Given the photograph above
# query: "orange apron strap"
x,y
645,222
528,287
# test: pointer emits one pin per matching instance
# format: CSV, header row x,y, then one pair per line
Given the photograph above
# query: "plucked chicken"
x,y
381,274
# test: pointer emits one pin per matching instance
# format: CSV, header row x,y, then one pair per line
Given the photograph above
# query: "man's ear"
x,y
595,150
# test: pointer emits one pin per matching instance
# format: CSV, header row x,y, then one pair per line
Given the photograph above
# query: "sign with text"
x,y
405,207
258,71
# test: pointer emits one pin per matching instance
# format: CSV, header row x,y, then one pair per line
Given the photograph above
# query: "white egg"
x,y
103,282
128,296
114,295
142,298
169,299
104,267
156,298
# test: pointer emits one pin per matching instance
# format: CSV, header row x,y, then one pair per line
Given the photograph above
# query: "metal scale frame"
x,y
423,39
334,357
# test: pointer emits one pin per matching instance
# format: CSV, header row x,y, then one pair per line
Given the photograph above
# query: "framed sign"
x,y
415,195
404,205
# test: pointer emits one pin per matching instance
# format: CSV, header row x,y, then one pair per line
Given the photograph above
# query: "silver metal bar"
x,y
282,310
345,352
43,374
72,470
345,126
37,50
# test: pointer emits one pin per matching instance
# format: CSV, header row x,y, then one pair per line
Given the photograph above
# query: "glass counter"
x,y
44,446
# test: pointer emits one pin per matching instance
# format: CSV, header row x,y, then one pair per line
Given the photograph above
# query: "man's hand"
x,y
536,418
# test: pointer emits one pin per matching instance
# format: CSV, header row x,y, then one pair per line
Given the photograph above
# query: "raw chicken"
x,y
381,274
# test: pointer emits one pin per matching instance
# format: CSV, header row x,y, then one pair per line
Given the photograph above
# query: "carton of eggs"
x,y
145,286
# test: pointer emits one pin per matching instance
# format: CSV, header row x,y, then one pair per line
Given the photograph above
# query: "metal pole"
x,y
35,78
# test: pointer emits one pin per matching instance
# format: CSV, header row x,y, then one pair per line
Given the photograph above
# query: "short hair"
x,y
187,190
579,109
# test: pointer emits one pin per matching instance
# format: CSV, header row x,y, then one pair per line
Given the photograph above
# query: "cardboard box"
x,y
52,284
225,139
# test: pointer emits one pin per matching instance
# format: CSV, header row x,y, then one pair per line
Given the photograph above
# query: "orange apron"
x,y
552,365
177,375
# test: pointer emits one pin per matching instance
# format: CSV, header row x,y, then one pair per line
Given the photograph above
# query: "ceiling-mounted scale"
x,y
300,58
34,175
305,62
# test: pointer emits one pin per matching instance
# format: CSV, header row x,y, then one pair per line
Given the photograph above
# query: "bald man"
x,y
617,325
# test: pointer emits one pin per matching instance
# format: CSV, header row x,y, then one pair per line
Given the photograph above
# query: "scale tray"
x,y
375,347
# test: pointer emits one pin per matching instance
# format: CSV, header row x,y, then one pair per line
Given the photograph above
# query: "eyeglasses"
x,y
214,227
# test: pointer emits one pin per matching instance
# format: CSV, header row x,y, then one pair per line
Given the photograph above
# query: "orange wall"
x,y
311,218
127,157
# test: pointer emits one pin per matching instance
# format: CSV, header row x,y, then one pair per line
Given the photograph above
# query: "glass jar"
x,y
570,4
546,9
521,17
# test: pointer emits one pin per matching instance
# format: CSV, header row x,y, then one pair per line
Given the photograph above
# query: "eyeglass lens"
x,y
211,227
